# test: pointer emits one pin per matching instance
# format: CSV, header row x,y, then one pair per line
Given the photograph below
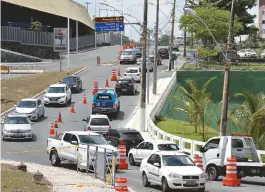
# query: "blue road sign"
x,y
109,26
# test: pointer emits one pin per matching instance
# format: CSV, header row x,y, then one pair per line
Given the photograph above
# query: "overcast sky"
x,y
135,8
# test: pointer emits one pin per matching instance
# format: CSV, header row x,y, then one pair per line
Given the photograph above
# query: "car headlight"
x,y
174,176
62,97
34,111
5,131
203,175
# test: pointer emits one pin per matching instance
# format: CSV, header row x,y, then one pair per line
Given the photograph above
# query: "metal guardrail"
x,y
22,69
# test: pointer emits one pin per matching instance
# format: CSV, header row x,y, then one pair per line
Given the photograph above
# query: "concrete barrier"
x,y
26,69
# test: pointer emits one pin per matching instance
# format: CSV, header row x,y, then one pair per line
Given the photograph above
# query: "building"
x,y
261,18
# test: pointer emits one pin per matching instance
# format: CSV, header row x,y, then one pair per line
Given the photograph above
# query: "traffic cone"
x,y
59,119
113,75
84,100
51,132
119,72
72,109
52,126
55,125
122,151
107,83
95,87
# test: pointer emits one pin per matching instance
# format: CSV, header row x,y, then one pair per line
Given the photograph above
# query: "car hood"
x,y
184,170
17,126
109,148
24,110
55,94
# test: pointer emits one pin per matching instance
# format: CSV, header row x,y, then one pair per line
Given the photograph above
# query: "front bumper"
x,y
184,183
17,135
55,101
128,60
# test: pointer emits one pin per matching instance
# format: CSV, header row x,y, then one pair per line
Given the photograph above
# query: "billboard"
x,y
192,56
60,39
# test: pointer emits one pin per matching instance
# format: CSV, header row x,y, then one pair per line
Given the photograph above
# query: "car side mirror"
x,y
157,165
59,82
202,149
45,91
74,142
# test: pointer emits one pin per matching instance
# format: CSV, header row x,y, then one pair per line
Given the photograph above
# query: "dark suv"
x,y
163,52
74,83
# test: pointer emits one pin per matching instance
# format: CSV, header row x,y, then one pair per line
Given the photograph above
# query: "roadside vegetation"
x,y
13,179
15,89
240,66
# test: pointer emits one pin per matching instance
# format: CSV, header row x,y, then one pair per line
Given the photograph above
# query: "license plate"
x,y
191,182
17,134
124,89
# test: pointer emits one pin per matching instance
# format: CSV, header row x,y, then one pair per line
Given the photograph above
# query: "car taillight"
x,y
93,104
114,105
109,127
117,85
89,128
130,84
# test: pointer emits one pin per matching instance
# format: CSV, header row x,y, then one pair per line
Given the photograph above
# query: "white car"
x,y
33,108
262,55
97,122
172,170
133,72
16,126
58,94
246,53
145,148
151,64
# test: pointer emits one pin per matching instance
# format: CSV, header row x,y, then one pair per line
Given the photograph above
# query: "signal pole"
x,y
185,37
156,49
172,34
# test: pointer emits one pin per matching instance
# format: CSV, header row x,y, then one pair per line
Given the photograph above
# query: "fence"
x,y
22,69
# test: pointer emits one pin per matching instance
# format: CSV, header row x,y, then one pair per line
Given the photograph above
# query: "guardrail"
x,y
187,145
22,69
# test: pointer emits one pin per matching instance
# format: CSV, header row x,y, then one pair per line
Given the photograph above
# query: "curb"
x,y
9,110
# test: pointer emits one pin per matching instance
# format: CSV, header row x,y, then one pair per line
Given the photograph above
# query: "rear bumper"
x,y
103,111
124,89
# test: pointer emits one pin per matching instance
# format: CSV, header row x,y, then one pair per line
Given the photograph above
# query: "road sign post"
x,y
109,24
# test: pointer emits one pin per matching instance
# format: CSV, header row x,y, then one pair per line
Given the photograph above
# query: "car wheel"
x,y
55,160
165,187
212,173
201,190
121,63
131,160
145,181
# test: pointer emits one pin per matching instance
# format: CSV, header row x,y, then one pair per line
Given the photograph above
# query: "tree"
x,y
196,103
36,26
163,40
252,40
217,20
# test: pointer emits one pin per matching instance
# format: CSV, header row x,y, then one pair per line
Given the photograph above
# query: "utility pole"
x,y
185,37
223,124
172,34
156,49
144,39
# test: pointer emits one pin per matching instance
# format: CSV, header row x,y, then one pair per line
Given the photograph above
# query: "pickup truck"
x,y
68,146
217,149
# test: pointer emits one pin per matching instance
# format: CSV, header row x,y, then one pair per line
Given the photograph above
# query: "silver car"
x,y
33,108
128,56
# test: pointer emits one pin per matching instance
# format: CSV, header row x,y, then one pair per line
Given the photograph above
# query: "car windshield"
x,y
168,147
103,97
177,160
99,121
16,120
131,135
69,79
131,71
93,139
27,104
56,90
127,53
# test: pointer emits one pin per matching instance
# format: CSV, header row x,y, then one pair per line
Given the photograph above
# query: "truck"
x,y
217,149
72,146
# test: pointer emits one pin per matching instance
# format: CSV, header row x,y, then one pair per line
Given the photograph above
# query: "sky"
x,y
135,8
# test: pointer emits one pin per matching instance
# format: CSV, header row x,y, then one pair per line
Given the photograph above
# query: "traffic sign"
x,y
109,26
109,19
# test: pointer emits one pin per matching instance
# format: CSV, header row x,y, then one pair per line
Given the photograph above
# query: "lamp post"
x,y
68,36
76,27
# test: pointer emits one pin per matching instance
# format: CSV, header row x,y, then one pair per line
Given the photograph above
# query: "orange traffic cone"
x,y
55,125
119,73
95,87
59,119
52,126
113,75
72,109
122,151
51,132
84,100
107,83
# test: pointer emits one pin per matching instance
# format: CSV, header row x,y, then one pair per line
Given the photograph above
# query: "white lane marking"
x,y
131,190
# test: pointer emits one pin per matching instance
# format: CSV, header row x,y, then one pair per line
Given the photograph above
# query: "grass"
x,y
232,67
15,89
12,178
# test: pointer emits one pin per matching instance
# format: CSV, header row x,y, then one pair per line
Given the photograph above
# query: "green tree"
x,y
196,103
163,40
252,41
36,26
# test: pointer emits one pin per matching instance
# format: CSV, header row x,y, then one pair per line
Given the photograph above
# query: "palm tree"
x,y
250,116
196,102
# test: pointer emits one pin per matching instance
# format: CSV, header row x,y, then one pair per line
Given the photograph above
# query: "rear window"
x,y
168,147
104,97
131,135
131,71
99,121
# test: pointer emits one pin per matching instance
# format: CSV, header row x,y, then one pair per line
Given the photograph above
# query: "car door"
x,y
79,82
68,92
40,108
147,150
86,123
138,151
65,143
156,169
149,167
72,151
211,150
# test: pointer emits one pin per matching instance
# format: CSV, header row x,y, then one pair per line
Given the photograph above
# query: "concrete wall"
x,y
14,57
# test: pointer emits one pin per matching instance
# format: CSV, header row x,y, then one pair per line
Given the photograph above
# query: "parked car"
x,y
145,148
100,123
138,53
163,52
126,85
150,62
128,56
172,170
133,72
33,108
262,55
58,94
247,53
16,126
74,83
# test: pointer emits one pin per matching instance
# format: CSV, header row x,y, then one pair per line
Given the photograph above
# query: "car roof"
x,y
128,50
98,116
16,115
111,91
29,99
58,85
159,142
83,132
123,130
137,68
170,153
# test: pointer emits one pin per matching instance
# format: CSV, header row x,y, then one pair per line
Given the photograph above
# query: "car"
x,y
58,94
163,52
74,83
138,52
33,108
151,64
126,85
145,148
17,126
172,171
152,58
133,72
247,53
262,55
128,56
106,101
131,137
97,122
